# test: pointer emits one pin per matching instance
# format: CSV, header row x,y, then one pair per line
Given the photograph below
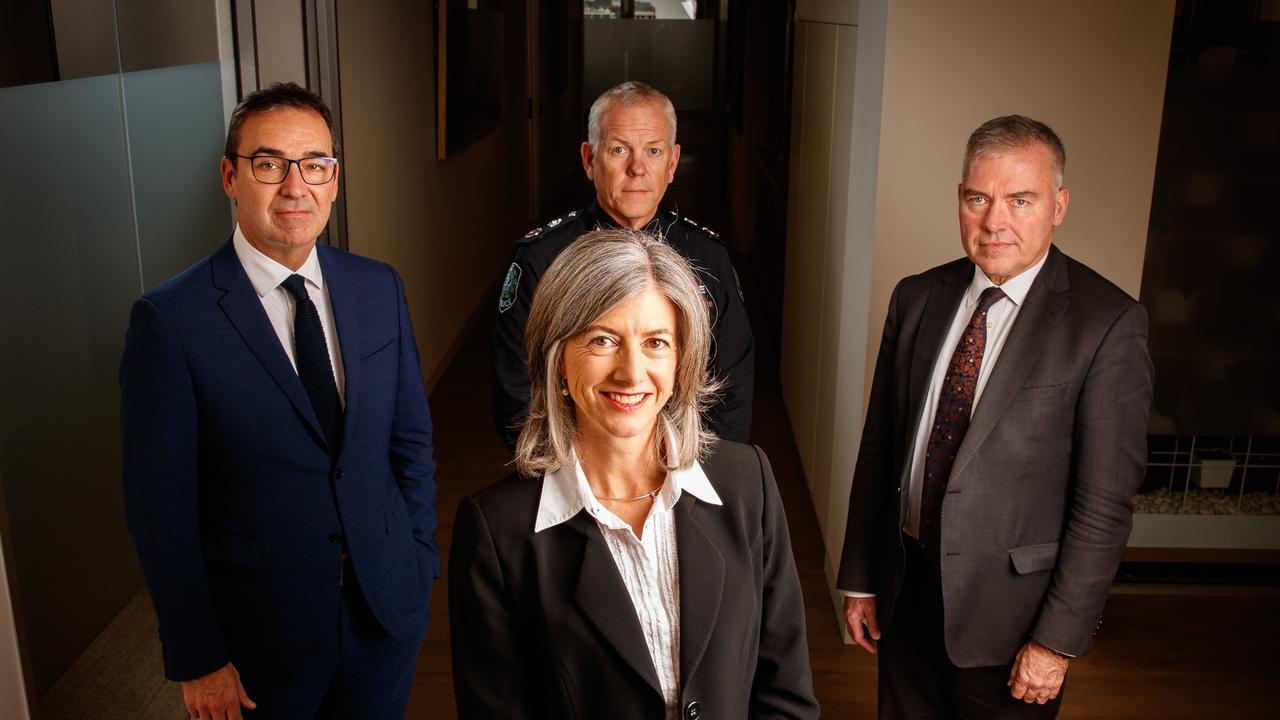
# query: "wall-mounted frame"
x,y
469,46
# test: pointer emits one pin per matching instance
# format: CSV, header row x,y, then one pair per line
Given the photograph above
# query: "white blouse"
x,y
649,567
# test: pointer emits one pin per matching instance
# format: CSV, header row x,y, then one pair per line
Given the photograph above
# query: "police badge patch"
x,y
509,285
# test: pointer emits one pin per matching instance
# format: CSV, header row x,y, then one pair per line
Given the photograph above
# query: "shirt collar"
x,y
266,274
566,492
694,480
605,220
1015,288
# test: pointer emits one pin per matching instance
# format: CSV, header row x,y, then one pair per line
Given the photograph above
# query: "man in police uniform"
x,y
631,156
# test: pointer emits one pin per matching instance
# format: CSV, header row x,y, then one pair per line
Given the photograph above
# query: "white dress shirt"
x,y
266,275
999,322
649,566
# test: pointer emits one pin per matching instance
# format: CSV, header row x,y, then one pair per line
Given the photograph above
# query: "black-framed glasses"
x,y
272,170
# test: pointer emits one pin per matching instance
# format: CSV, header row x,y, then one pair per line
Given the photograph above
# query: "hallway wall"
x,y
447,226
835,126
13,686
926,74
826,50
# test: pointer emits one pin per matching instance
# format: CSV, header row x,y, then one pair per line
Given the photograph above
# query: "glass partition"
x,y
114,116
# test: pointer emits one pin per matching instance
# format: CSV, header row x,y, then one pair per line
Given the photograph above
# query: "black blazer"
x,y
542,626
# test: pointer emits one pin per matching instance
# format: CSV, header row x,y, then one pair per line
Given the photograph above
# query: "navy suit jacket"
x,y
238,508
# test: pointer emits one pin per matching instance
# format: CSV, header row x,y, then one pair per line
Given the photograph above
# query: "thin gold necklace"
x,y
649,495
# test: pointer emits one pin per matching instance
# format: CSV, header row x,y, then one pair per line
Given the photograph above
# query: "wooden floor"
x,y
1196,654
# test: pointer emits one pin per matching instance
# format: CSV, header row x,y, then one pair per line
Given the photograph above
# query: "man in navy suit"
x,y
278,476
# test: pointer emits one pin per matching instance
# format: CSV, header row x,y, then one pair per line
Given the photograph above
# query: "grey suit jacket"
x,y
1039,503
542,626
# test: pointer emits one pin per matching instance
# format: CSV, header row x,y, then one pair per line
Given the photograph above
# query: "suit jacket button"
x,y
693,710
335,538
337,474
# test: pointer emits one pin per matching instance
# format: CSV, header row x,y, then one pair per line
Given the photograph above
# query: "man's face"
x,y
635,164
1009,206
282,221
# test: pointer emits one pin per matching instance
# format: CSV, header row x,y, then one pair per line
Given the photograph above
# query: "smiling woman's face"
x,y
621,371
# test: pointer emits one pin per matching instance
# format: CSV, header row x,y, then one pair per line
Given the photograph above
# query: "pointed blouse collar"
x,y
566,492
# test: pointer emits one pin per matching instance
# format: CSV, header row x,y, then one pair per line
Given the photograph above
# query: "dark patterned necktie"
x,y
312,356
955,406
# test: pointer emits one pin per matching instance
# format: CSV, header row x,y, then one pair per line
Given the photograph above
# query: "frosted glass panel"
x,y
69,250
71,272
175,139
110,186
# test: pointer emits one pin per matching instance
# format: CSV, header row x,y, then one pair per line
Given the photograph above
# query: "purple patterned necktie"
x,y
955,406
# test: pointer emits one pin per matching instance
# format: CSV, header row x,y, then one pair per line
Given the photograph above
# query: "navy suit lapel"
x,y
701,586
1044,306
244,309
603,598
343,300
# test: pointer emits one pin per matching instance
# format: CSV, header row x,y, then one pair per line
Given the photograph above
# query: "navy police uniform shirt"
x,y
733,349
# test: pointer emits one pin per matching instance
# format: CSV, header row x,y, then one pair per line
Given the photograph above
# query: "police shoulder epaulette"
x,y
544,229
691,223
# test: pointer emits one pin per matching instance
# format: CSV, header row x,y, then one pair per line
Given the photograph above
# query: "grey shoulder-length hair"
x,y
595,273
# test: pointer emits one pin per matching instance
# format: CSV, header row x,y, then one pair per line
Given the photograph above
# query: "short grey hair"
x,y
631,92
598,271
1014,132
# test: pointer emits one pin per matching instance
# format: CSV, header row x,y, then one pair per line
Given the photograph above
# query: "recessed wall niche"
x,y
1213,249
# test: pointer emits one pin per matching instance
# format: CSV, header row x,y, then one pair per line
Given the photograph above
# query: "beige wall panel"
x,y
1093,70
13,689
840,12
822,135
807,243
447,226
854,289
281,42
833,269
835,135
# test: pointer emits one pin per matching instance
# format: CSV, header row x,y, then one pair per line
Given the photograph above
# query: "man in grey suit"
x,y
1004,440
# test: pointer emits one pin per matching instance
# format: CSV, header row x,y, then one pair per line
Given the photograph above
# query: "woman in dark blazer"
x,y
633,566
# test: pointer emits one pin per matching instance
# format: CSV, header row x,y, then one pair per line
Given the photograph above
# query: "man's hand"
x,y
860,611
1037,673
216,696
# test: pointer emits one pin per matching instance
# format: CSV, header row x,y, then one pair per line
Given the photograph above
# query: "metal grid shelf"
x,y
1209,492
